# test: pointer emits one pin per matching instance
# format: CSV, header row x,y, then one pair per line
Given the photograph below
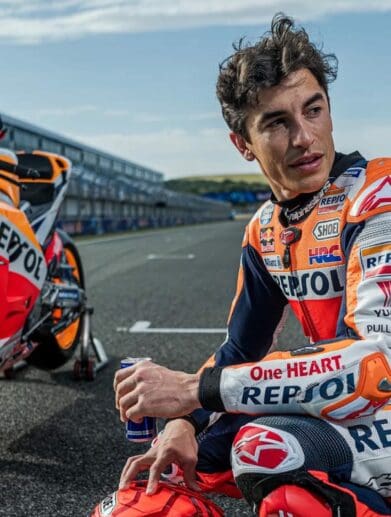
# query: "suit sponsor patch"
x,y
310,284
332,202
377,195
324,255
273,262
326,229
376,261
266,213
267,239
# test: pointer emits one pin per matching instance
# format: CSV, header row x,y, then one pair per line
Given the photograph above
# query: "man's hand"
x,y
147,389
177,444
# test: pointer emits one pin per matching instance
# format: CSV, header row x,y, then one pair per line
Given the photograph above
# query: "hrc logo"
x,y
324,254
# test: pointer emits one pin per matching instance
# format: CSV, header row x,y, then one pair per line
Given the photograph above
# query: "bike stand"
x,y
10,373
87,366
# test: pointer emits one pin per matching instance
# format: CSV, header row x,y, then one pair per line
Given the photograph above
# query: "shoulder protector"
x,y
374,195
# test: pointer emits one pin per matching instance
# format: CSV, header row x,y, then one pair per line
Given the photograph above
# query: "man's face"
x,y
290,135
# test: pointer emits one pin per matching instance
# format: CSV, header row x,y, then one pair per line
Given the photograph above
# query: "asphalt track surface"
x,y
62,446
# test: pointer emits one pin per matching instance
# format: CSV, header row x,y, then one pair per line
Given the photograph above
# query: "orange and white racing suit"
x,y
328,257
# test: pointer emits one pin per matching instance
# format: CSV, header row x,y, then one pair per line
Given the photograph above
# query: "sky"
x,y
137,78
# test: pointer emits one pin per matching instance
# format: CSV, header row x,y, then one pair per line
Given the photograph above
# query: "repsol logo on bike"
x,y
329,389
376,260
324,254
310,284
297,369
20,250
326,229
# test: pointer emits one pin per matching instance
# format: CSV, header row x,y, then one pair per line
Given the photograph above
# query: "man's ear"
x,y
241,145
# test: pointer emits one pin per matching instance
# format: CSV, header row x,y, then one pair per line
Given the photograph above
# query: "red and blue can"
x,y
146,430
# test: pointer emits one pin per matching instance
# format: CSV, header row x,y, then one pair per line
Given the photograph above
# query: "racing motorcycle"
x,y
44,313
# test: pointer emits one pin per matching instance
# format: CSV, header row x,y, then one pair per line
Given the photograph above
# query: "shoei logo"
x,y
259,446
108,504
326,229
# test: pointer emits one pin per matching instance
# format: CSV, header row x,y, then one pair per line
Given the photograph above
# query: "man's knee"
x,y
269,468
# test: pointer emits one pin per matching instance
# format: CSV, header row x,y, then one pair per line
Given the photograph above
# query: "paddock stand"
x,y
87,366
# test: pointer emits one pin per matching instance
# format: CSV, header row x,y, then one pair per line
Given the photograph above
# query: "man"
x,y
322,244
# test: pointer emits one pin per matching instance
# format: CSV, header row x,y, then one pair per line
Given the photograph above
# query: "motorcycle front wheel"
x,y
56,348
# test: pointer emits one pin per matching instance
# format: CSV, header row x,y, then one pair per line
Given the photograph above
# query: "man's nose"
x,y
301,135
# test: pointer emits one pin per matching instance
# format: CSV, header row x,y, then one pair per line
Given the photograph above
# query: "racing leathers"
x,y
328,256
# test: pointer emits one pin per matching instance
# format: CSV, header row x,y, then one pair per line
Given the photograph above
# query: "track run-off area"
x,y
164,294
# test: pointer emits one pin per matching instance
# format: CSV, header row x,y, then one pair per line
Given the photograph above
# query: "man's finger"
x,y
189,476
155,471
125,471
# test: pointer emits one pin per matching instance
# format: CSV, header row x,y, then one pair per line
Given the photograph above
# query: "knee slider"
x,y
260,450
265,458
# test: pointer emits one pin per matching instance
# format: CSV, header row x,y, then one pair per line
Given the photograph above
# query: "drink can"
x,y
146,430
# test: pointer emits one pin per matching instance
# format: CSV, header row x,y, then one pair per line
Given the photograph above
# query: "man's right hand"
x,y
177,444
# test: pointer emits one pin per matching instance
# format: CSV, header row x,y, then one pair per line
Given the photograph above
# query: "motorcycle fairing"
x,y
46,194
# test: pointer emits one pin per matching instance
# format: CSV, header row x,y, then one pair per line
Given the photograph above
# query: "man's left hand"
x,y
148,389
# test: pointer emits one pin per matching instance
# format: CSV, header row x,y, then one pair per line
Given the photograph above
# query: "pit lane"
x,y
62,445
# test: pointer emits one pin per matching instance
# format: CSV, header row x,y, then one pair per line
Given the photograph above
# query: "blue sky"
x,y
137,77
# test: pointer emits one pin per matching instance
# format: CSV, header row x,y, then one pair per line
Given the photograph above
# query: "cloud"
x,y
178,153
32,21
175,152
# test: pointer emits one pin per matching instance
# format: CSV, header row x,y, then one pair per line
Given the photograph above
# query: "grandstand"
x,y
108,193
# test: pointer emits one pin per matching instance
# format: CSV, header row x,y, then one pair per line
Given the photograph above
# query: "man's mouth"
x,y
308,162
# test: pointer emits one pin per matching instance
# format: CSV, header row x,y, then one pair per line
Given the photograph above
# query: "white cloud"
x,y
32,21
177,152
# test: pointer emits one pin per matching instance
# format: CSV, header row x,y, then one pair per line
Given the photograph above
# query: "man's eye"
x,y
277,123
314,111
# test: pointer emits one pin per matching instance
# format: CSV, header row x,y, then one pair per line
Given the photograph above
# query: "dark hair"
x,y
252,68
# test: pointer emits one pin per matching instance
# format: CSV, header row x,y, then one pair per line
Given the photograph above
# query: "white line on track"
x,y
144,327
152,256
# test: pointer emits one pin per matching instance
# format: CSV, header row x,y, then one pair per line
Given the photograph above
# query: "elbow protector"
x,y
338,381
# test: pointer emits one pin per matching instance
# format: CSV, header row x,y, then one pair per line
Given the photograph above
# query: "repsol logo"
x,y
19,249
311,284
326,229
332,200
330,389
297,369
324,254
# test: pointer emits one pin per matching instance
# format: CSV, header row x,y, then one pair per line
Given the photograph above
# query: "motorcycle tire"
x,y
54,350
